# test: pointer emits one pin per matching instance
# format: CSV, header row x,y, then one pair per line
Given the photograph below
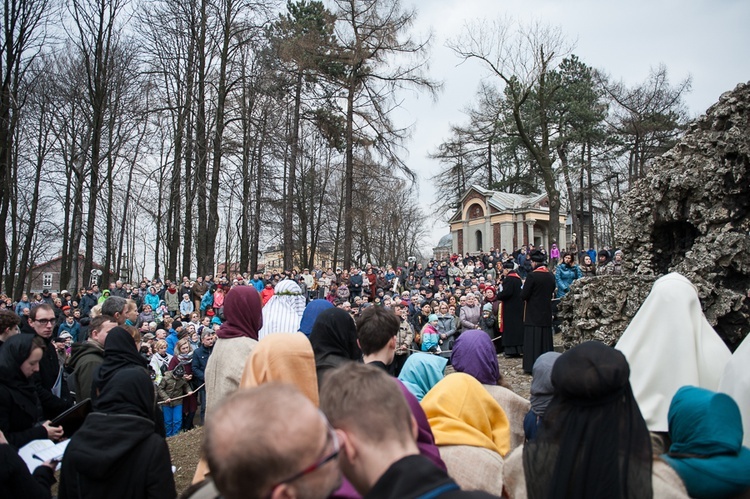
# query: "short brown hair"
x,y
365,400
376,326
8,319
34,310
97,321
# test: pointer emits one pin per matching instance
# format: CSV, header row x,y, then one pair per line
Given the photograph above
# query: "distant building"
x,y
46,275
273,258
444,248
491,219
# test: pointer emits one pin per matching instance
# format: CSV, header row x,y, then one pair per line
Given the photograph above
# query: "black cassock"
x,y
537,292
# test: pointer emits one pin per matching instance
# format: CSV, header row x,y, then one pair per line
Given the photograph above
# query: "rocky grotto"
x,y
690,214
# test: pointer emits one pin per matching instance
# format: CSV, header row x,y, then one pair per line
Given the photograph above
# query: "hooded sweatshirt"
x,y
116,453
85,358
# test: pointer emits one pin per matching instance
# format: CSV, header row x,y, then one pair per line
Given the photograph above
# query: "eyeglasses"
x,y
332,437
44,322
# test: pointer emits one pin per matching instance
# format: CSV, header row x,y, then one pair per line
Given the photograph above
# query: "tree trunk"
x,y
349,176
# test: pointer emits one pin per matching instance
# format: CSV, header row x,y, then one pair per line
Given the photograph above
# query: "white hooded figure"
x,y
670,344
283,312
735,382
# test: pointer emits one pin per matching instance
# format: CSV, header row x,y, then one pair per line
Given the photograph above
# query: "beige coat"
x,y
224,368
666,483
474,468
515,407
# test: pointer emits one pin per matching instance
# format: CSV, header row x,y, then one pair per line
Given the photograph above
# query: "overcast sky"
x,y
707,40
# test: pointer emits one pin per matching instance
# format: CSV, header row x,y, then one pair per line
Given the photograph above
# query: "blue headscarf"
x,y
421,372
707,452
313,309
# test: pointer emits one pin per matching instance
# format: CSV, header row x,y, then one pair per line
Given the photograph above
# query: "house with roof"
x,y
492,219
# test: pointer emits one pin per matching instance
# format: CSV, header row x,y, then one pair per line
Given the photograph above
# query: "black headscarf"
x,y
15,351
594,442
130,391
334,334
120,352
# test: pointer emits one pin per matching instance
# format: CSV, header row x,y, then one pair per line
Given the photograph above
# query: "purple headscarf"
x,y
425,438
474,354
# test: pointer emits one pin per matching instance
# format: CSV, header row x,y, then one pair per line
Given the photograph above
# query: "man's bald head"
x,y
259,437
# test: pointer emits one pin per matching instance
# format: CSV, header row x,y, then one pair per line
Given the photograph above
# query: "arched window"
x,y
479,240
475,211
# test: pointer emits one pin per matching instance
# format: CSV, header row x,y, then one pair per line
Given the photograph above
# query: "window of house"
x,y
47,280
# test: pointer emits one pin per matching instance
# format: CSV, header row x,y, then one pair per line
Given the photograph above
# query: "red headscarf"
x,y
242,310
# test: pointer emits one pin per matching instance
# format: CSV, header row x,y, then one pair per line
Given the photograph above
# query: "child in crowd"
x,y
160,360
430,335
487,321
171,387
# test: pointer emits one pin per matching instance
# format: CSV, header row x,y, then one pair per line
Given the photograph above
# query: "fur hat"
x,y
537,256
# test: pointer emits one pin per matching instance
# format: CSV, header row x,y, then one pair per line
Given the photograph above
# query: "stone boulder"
x,y
689,214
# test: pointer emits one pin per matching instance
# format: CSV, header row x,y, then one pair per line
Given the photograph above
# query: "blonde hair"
x,y
96,311
178,346
159,344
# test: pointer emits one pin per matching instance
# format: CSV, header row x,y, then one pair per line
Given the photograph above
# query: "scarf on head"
x,y
541,382
474,354
421,372
287,358
283,312
462,412
120,352
242,313
686,350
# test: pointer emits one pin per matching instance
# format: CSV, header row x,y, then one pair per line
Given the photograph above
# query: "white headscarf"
x,y
670,344
283,312
735,382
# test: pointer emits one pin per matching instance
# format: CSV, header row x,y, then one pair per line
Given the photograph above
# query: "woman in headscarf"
x,y
313,309
594,442
471,430
287,358
475,355
334,340
283,311
736,383
20,408
120,352
541,393
670,344
117,453
421,372
706,432
237,337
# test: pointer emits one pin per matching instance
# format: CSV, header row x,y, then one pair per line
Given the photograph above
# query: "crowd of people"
x,y
332,383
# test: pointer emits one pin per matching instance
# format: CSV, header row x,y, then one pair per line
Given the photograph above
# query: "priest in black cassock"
x,y
537,293
510,313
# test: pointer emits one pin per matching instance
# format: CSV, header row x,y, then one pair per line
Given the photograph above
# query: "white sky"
x,y
708,40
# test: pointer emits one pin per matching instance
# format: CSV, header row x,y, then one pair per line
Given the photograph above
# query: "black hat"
x,y
176,324
537,256
509,264
179,371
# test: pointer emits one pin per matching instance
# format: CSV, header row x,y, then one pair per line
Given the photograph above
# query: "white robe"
x,y
735,382
670,344
283,312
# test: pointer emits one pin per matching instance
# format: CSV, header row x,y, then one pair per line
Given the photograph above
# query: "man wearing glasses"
x,y
50,382
271,442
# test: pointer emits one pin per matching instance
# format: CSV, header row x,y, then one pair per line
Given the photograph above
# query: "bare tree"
x,y
524,57
380,58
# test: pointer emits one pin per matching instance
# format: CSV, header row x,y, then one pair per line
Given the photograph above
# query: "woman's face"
x,y
443,309
452,310
193,317
185,348
426,309
587,260
194,337
568,259
162,350
31,365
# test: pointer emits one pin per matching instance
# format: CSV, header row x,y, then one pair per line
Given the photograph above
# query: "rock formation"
x,y
690,214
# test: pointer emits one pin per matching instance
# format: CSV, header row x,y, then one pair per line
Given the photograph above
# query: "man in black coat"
x,y
510,313
537,293
51,386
